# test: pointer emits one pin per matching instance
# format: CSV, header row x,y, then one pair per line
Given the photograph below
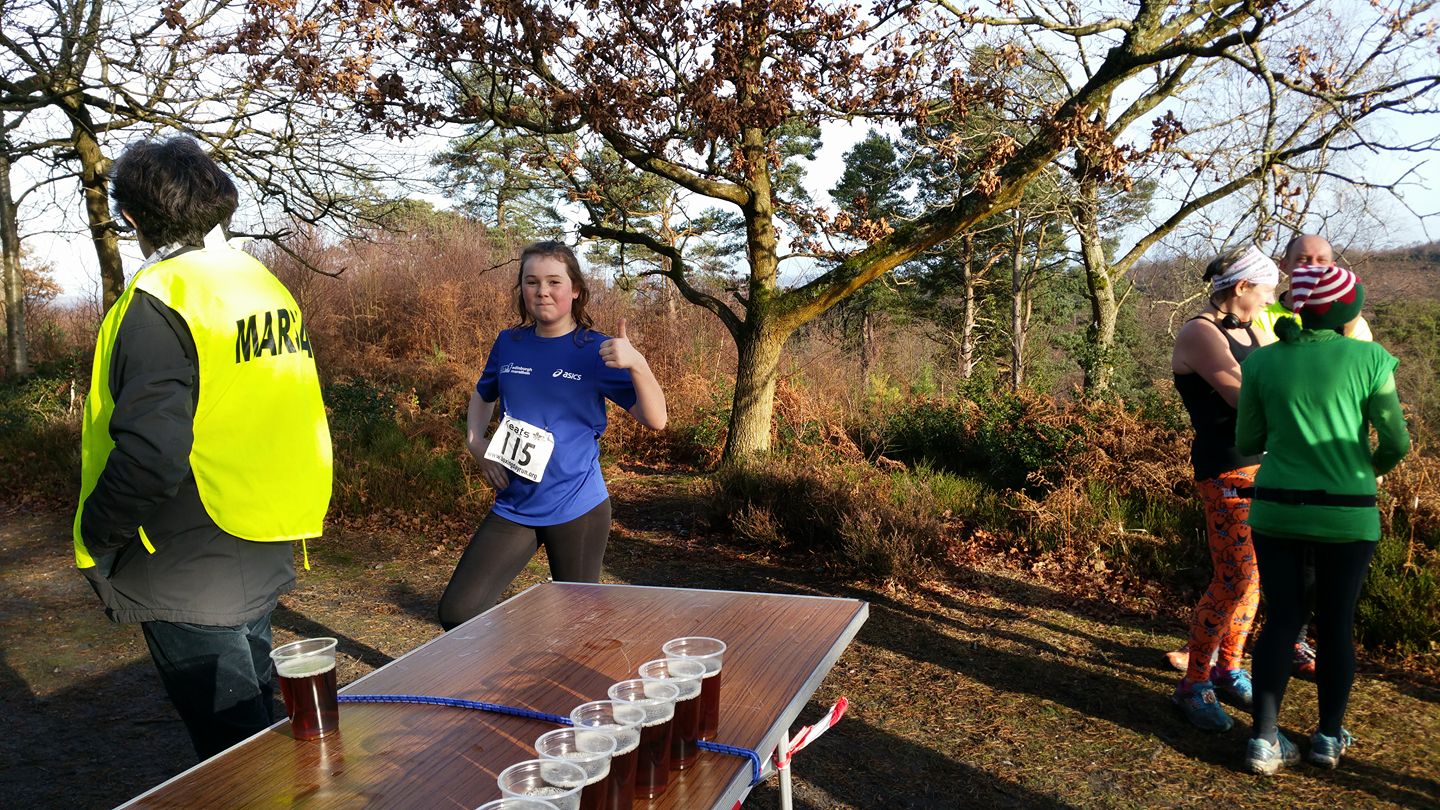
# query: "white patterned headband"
x,y
1252,266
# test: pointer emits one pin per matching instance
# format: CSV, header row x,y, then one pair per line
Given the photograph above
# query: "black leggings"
x,y
500,548
1339,572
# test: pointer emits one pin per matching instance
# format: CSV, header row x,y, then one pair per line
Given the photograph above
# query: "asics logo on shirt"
x,y
511,368
560,372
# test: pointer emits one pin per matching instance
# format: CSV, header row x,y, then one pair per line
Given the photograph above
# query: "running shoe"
x,y
1267,758
1200,706
1304,660
1235,683
1325,750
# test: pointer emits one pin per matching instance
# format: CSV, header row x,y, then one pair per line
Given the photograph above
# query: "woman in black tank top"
x,y
1206,365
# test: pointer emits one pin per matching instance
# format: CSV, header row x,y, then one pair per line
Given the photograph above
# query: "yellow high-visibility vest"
x,y
1266,318
261,457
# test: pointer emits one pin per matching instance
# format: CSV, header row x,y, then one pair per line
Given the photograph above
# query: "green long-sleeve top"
x,y
1309,403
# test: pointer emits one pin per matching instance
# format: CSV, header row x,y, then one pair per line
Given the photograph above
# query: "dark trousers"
x,y
1339,574
220,679
500,548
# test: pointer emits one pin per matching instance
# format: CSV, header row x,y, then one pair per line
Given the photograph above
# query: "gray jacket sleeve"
x,y
153,382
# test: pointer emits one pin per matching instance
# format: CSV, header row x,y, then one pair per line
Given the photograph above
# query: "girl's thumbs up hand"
x,y
618,352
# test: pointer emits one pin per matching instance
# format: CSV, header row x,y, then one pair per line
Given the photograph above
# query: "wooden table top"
x,y
550,648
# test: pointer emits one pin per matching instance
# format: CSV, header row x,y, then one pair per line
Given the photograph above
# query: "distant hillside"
x,y
1389,275
1392,275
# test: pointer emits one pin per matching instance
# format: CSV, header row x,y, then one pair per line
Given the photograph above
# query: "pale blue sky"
x,y
68,247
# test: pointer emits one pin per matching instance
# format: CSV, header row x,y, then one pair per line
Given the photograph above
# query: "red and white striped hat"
x,y
1314,289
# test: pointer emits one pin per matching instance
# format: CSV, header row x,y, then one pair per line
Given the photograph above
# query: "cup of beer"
x,y
517,804
710,652
686,675
591,750
306,671
623,722
652,757
550,780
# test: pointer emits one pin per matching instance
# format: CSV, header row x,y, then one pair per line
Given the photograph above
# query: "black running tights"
x,y
1339,572
500,548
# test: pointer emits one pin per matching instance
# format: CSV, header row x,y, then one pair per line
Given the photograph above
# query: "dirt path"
x,y
989,690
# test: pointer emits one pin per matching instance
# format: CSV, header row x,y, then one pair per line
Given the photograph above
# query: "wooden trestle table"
x,y
549,649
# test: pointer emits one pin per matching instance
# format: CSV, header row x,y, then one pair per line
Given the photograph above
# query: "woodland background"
x,y
960,342
888,464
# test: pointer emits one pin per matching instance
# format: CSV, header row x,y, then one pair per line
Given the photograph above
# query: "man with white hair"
x,y
1305,250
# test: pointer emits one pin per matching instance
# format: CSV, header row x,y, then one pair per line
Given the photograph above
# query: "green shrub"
x,y
388,460
388,468
1397,609
1015,441
858,522
931,432
40,430
358,406
1162,408
1026,444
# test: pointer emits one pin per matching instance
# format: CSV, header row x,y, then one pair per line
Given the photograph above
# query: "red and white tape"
x,y
807,735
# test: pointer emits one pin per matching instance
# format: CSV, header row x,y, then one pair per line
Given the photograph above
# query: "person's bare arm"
x,y
1201,349
477,420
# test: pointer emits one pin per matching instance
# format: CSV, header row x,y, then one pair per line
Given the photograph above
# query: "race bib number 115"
x,y
521,448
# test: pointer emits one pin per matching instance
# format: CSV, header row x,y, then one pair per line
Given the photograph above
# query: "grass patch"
x,y
860,523
40,431
391,456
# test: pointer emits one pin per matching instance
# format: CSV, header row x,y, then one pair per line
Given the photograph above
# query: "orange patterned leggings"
x,y
1222,619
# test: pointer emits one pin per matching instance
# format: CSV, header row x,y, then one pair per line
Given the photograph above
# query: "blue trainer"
x,y
1201,707
1266,758
1325,750
1235,683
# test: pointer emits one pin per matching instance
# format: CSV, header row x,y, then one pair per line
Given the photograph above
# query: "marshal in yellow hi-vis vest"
x,y
261,457
1266,318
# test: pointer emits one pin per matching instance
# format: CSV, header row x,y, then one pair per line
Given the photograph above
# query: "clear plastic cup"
x,y
517,804
623,722
711,653
591,750
685,674
306,672
551,780
652,758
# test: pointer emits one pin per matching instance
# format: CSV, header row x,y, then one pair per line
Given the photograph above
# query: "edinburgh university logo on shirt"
x,y
282,331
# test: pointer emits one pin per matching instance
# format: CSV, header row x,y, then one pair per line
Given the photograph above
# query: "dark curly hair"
x,y
172,190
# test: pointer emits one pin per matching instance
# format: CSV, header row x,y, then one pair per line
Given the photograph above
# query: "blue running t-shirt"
x,y
559,384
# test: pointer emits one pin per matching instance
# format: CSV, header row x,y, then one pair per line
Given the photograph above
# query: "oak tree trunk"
x,y
17,349
1098,359
754,404
95,186
1017,303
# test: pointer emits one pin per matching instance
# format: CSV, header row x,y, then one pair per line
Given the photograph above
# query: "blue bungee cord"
x,y
530,714
477,705
736,751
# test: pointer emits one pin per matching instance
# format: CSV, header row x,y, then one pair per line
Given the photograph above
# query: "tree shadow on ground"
x,y
1424,691
422,605
305,627
863,764
117,730
911,633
